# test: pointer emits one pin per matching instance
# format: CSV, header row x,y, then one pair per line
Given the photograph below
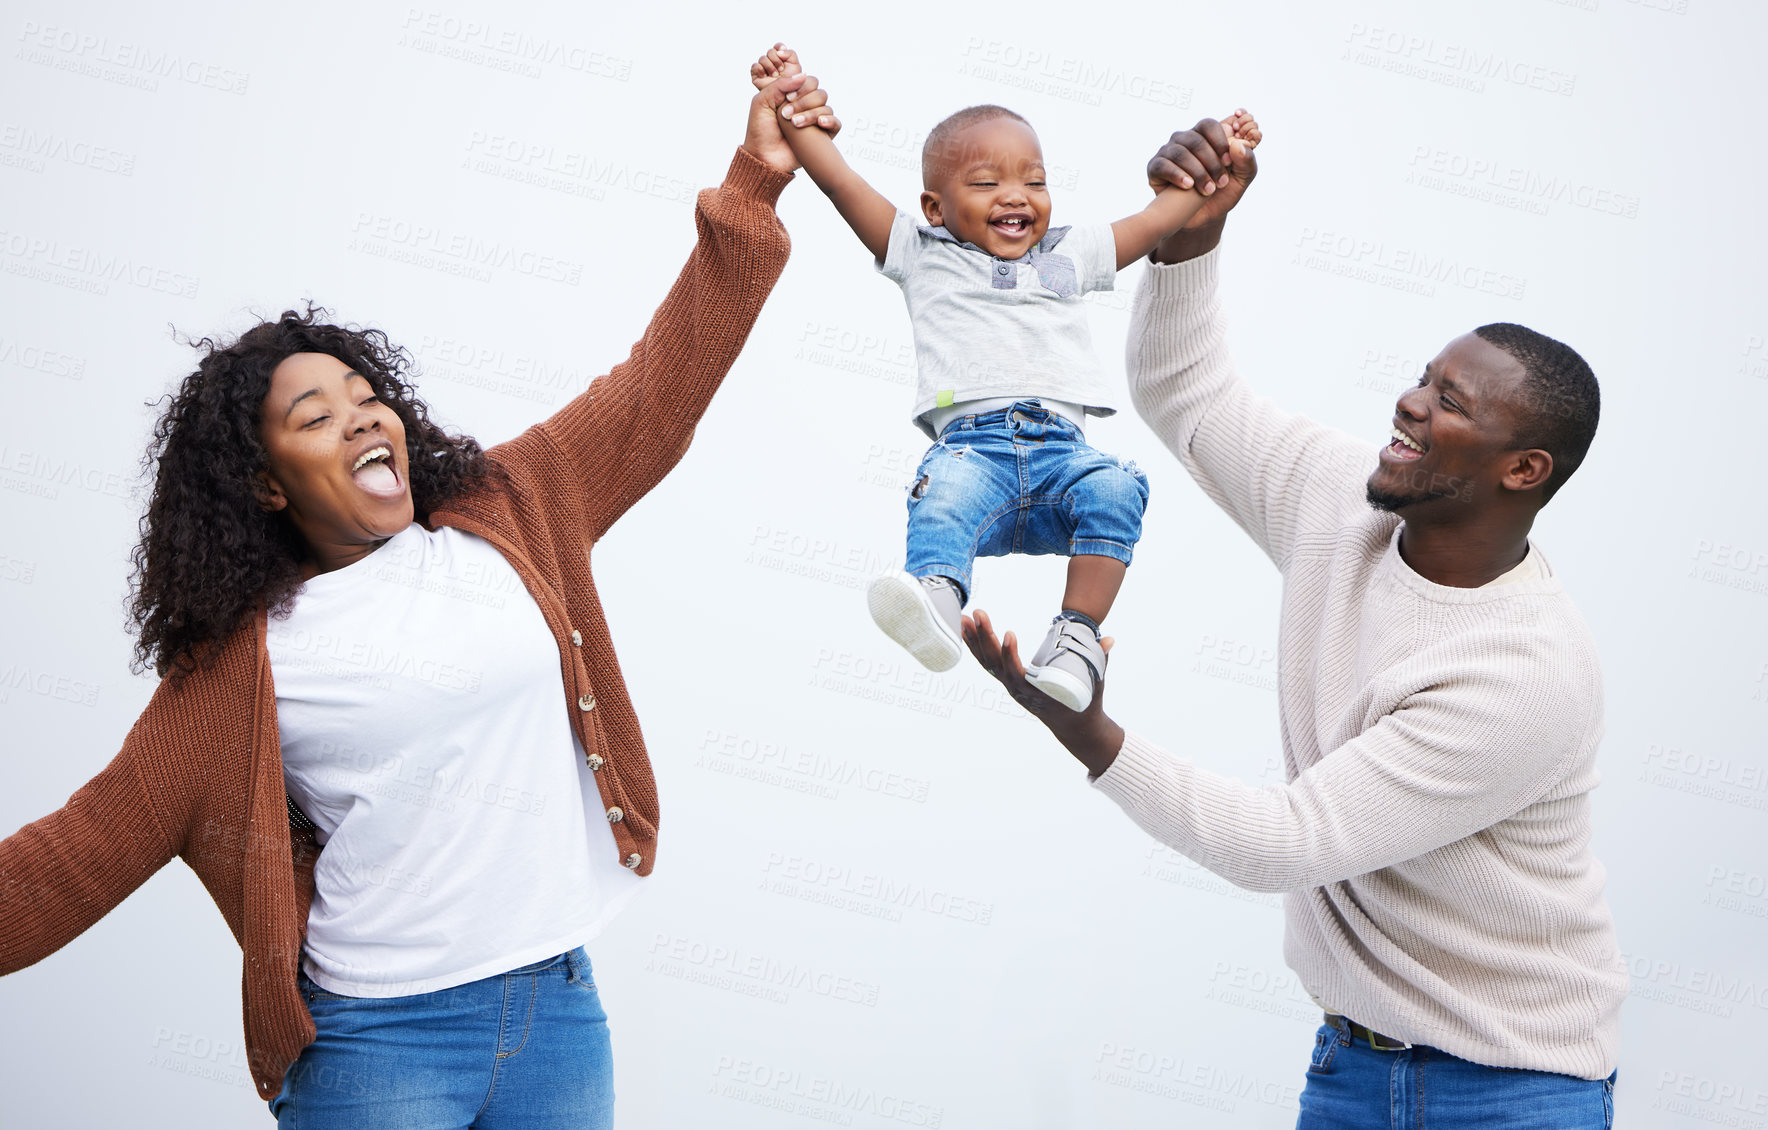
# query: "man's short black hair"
x,y
1560,398
941,134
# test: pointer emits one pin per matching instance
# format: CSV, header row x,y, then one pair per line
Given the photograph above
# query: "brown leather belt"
x,y
1357,1032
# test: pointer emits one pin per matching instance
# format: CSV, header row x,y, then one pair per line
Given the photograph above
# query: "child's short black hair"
x,y
941,134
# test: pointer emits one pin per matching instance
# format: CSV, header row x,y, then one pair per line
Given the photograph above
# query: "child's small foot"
x,y
1068,664
923,614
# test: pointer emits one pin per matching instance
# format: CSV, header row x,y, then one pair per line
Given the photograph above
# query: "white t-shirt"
x,y
987,327
425,730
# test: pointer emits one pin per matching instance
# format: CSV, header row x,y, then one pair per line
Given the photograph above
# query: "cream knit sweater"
x,y
1433,839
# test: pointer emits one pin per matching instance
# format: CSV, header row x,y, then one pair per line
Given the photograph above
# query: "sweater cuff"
x,y
750,176
1134,773
1184,279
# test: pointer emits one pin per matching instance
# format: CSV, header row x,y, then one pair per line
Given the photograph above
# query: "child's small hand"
x,y
779,62
1243,134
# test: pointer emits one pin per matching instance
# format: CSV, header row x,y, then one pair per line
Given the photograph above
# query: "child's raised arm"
x,y
1171,207
866,210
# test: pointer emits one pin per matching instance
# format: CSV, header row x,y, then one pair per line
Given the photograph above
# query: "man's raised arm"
x,y
1275,473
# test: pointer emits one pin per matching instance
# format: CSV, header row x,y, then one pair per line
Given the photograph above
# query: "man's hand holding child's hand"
x,y
1207,156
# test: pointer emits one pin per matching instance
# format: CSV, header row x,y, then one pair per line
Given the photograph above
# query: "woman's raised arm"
x,y
611,444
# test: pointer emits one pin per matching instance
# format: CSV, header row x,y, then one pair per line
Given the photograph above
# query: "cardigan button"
x,y
615,815
595,762
587,702
576,638
634,860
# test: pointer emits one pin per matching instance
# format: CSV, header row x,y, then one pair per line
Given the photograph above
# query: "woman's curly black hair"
x,y
210,554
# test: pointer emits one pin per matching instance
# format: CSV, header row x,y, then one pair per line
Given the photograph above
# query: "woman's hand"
x,y
764,140
1090,736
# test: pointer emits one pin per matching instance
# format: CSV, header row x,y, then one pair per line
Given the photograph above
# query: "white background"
x,y
1025,957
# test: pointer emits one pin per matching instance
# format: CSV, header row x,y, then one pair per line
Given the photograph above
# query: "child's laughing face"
x,y
988,188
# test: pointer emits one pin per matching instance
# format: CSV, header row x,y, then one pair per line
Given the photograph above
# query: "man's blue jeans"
x,y
1351,1086
527,1049
1020,480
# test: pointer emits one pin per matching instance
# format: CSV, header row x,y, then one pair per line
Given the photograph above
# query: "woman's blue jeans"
x,y
1352,1086
526,1049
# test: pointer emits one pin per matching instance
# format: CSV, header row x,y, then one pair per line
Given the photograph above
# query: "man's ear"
x,y
1527,470
930,207
268,492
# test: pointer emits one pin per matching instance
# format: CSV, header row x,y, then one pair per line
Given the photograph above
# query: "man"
x,y
1441,705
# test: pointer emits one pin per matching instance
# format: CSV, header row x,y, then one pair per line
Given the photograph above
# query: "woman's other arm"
x,y
61,874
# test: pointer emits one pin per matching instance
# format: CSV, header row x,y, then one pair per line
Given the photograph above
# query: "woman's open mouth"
x,y
376,474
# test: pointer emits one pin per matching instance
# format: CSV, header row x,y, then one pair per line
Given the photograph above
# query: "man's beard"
x,y
1391,502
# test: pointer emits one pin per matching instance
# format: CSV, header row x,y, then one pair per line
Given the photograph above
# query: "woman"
x,y
380,638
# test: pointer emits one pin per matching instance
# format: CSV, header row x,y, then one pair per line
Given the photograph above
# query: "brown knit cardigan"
x,y
200,773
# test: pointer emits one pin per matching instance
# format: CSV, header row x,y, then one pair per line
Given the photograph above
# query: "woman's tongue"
x,y
377,478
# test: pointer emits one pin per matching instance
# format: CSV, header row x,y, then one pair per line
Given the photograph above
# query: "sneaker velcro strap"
x,y
1077,638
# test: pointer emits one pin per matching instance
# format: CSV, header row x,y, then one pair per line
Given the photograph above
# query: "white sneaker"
x,y
1068,664
922,614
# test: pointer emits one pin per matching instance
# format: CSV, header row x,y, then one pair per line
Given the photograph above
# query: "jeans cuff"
x,y
957,576
1099,547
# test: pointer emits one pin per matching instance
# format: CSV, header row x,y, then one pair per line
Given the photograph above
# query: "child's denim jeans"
x,y
1020,480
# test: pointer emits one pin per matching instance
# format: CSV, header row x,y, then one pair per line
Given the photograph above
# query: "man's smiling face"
x,y
1454,433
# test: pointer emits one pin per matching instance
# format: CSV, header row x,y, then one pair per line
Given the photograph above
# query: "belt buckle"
x,y
1390,1044
1370,1036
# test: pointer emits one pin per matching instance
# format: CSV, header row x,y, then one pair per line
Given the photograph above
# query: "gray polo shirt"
x,y
987,327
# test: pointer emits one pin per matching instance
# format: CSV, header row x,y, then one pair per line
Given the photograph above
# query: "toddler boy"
x,y
1007,377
